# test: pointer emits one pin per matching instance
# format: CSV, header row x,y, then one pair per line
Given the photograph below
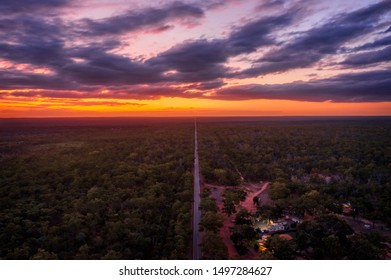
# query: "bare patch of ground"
x,y
225,233
252,189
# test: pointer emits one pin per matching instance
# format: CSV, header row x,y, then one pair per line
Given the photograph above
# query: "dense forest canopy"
x,y
123,188
87,190
347,160
315,167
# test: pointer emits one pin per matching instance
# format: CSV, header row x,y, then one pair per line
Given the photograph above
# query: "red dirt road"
x,y
225,233
252,191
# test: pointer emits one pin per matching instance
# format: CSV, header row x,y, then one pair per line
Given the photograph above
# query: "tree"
x,y
42,254
241,236
213,247
208,204
333,249
282,249
278,190
326,235
315,203
211,221
269,212
309,234
232,197
332,225
243,217
266,256
221,176
229,207
112,255
365,247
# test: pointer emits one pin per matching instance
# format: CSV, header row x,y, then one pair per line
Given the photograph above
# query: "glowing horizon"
x,y
178,107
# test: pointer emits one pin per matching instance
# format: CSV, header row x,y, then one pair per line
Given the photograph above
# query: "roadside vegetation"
x,y
213,247
96,191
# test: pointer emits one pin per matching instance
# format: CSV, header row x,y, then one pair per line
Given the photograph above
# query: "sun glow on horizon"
x,y
175,106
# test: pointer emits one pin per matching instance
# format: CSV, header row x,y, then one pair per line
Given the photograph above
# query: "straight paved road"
x,y
196,210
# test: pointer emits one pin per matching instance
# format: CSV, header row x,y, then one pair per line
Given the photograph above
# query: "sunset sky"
x,y
70,58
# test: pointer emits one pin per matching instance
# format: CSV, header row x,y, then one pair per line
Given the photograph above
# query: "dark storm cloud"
x,y
208,85
192,56
265,4
92,65
313,45
203,59
17,6
366,58
249,37
17,80
20,27
215,4
40,54
155,92
386,41
41,43
101,68
371,86
133,92
82,60
194,61
270,4
155,18
32,40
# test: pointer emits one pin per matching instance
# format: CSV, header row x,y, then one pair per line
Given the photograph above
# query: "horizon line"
x,y
198,117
